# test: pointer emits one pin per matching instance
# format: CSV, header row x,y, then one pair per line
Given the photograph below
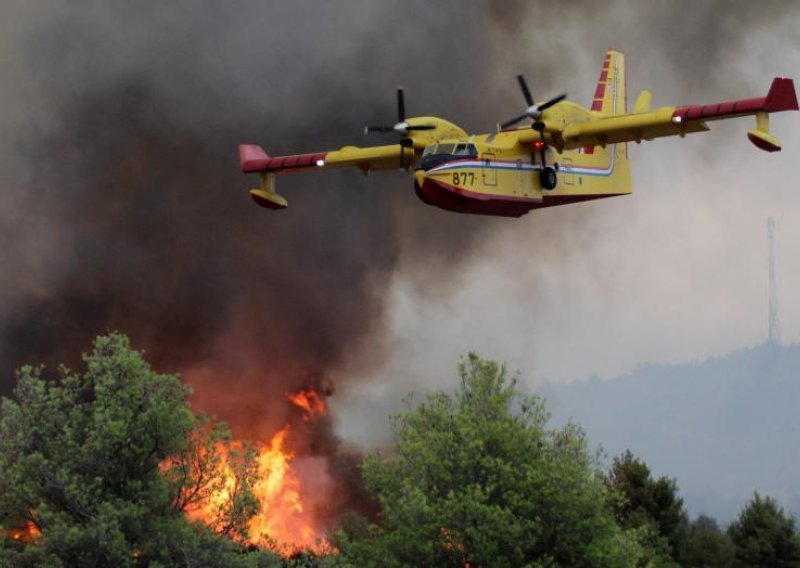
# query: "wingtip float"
x,y
567,154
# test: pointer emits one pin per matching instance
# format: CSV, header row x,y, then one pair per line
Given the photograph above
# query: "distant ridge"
x,y
723,427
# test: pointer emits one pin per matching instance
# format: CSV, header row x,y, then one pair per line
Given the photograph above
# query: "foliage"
x,y
478,479
763,535
102,468
209,474
707,545
81,459
642,501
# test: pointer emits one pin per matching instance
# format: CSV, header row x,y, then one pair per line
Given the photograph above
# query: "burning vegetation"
x,y
28,533
260,483
116,453
111,467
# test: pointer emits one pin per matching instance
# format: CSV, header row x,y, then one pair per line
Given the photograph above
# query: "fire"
x,y
29,533
283,522
309,401
281,516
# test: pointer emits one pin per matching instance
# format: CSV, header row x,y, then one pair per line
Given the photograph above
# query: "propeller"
x,y
401,127
534,111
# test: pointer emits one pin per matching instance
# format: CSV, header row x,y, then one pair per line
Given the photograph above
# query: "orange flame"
x,y
453,545
309,401
282,522
29,533
281,516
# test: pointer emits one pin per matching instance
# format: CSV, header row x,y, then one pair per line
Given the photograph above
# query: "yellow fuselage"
x,y
499,174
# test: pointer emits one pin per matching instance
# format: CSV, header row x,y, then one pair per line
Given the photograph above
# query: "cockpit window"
x,y
437,154
466,150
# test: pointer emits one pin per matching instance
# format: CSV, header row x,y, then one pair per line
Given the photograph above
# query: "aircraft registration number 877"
x,y
464,178
454,170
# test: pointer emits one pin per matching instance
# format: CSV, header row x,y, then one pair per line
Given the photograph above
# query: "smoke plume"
x,y
131,189
123,208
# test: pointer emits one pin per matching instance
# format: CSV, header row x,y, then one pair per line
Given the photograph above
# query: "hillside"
x,y
722,427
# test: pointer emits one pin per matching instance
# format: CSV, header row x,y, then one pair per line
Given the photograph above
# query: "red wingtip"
x,y
781,96
252,158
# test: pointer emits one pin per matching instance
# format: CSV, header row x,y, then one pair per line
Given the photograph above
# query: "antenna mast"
x,y
774,326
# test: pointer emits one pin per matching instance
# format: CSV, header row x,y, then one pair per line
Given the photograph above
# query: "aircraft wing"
x,y
671,121
253,159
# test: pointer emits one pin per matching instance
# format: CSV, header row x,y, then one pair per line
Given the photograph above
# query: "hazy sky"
x,y
674,272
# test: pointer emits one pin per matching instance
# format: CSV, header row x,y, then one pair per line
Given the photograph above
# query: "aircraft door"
x,y
489,172
566,171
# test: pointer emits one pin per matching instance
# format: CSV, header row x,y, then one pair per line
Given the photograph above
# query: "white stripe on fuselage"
x,y
494,165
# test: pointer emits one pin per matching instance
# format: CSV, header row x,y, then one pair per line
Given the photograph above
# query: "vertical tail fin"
x,y
611,95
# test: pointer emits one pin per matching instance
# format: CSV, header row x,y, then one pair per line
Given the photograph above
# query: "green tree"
x,y
478,479
763,535
707,545
642,501
90,465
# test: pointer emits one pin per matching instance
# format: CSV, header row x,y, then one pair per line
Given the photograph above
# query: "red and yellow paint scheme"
x,y
568,154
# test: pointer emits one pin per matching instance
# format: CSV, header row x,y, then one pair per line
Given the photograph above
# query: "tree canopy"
x,y
478,478
90,468
707,545
653,505
764,535
101,467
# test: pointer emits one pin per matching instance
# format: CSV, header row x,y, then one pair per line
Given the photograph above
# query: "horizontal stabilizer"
x,y
642,104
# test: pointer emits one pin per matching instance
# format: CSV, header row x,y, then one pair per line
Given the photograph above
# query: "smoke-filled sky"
x,y
122,206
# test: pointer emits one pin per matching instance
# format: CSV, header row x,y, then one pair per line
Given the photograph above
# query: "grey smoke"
x,y
132,195
123,207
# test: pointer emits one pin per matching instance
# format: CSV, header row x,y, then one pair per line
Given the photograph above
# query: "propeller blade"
x,y
551,102
513,121
526,92
401,127
401,105
373,129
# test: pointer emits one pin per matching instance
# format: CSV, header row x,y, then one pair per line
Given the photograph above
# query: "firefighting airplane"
x,y
567,154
